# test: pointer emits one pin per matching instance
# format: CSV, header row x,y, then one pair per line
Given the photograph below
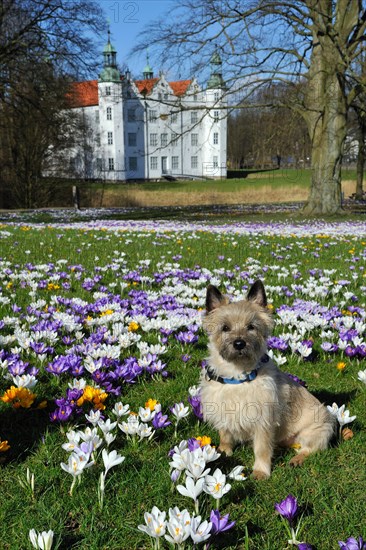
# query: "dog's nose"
x,y
239,344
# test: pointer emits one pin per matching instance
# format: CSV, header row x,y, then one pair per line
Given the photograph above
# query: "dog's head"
x,y
238,330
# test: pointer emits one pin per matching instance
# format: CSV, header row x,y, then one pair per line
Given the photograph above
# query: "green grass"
x,y
329,487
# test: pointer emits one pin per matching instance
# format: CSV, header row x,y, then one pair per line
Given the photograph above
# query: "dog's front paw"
x,y
257,474
297,460
227,450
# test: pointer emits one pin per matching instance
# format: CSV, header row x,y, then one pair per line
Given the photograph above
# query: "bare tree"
x,y
312,43
42,42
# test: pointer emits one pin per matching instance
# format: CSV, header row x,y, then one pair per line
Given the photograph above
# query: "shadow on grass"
x,y
328,398
23,429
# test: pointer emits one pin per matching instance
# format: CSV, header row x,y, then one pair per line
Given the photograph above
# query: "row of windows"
x,y
132,139
153,116
174,139
133,163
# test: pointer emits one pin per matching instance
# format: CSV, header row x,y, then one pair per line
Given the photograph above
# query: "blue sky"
x,y
127,19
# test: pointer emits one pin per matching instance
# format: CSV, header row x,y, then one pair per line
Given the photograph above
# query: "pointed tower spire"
x,y
216,80
148,72
110,72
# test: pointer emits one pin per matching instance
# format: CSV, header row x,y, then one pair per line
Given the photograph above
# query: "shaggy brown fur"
x,y
269,410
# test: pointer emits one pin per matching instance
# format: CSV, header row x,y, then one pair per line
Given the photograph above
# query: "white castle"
x,y
149,128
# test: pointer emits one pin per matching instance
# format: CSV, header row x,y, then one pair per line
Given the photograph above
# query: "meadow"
x,y
258,187
101,351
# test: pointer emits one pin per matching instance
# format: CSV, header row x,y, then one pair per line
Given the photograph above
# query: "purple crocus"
x,y
195,402
287,508
160,420
220,523
193,444
304,546
352,544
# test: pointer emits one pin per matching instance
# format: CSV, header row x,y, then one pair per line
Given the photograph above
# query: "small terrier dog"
x,y
245,396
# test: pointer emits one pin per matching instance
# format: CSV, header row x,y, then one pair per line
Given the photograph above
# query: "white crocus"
x,y
200,531
209,453
25,381
109,438
131,427
146,414
145,432
192,489
41,541
237,473
111,459
333,409
179,411
361,375
343,416
93,417
216,485
120,409
107,426
196,465
155,523
178,531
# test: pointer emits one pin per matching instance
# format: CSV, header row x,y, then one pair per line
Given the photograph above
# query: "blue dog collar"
x,y
245,378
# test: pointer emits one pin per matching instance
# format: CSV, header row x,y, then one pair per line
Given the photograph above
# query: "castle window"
x,y
174,140
153,140
194,117
97,140
111,164
194,139
216,138
216,96
164,140
215,161
175,163
97,116
108,90
194,162
173,118
154,163
132,164
109,113
110,138
132,140
152,115
131,115
216,116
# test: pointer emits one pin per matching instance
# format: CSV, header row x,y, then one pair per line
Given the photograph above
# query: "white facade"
x,y
150,128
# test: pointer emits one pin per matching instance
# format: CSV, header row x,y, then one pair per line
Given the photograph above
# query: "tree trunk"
x,y
360,160
326,117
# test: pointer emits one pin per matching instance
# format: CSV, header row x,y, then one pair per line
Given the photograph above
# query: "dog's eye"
x,y
225,328
251,327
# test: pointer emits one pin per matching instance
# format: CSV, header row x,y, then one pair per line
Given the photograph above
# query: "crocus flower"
x,y
361,375
192,489
352,544
200,531
287,508
41,541
111,459
220,523
155,523
160,421
237,473
215,484
304,546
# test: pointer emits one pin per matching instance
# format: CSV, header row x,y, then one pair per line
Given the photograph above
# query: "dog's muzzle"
x,y
239,344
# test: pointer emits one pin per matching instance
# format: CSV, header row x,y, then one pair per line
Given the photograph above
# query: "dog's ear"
x,y
214,298
257,294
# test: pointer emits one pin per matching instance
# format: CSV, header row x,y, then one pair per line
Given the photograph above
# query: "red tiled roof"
x,y
180,86
83,94
146,86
